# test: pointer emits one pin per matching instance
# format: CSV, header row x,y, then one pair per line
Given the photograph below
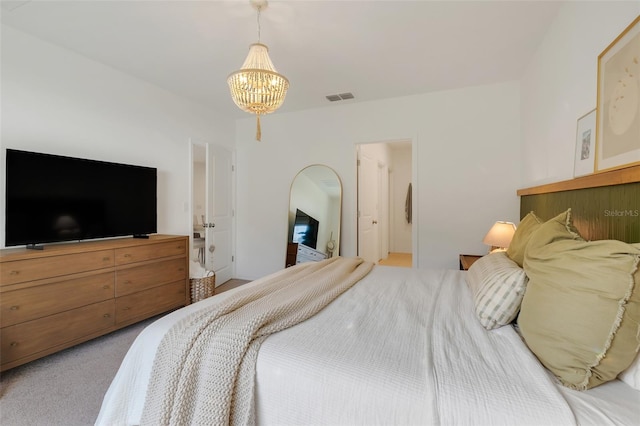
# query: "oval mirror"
x,y
315,203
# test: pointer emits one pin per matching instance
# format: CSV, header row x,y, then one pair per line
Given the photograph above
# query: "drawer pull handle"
x,y
127,255
14,272
106,258
13,344
106,287
107,315
14,308
180,269
127,282
126,308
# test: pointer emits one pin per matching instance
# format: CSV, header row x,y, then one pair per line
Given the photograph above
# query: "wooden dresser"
x,y
66,294
292,254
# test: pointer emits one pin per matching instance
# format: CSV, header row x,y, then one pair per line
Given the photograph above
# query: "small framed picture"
x,y
585,144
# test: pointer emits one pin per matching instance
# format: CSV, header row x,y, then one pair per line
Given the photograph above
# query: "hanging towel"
x,y
407,205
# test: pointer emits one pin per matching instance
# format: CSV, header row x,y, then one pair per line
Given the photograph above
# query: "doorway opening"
x,y
212,210
385,203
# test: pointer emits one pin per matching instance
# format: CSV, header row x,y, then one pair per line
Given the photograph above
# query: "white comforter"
x,y
401,347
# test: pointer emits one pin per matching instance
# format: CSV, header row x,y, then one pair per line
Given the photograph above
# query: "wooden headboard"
x,y
603,205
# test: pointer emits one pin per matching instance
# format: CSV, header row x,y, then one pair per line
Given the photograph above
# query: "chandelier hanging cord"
x,y
258,19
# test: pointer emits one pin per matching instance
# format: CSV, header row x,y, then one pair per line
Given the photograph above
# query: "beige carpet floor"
x,y
65,388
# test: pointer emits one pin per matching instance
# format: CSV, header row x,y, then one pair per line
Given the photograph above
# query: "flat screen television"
x,y
51,198
305,229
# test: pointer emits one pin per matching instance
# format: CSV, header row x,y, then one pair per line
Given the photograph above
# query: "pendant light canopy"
x,y
257,88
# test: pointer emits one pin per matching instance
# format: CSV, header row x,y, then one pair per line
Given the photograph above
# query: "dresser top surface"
x,y
20,253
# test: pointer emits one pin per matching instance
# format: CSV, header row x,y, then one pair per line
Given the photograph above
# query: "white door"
x,y
383,211
219,213
367,206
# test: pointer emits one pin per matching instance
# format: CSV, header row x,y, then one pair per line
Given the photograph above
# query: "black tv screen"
x,y
305,229
51,198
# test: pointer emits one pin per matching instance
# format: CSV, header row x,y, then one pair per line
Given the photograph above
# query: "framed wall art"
x,y
585,144
618,108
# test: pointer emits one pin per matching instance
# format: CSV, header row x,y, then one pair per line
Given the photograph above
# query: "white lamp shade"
x,y
500,235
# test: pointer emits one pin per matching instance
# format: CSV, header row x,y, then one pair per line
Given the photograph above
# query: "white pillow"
x,y
631,375
498,286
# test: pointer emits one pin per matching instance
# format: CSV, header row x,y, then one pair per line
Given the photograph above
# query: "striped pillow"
x,y
498,286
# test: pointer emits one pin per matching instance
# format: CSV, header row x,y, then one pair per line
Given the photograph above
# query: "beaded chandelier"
x,y
257,88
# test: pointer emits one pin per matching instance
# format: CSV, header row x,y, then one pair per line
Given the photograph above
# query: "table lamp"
x,y
499,236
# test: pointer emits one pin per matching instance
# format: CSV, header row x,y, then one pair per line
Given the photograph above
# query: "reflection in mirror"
x,y
314,215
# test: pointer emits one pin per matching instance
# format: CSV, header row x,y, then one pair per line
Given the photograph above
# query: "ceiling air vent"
x,y
340,97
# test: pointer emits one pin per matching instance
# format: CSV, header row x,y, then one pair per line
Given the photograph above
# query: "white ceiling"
x,y
373,49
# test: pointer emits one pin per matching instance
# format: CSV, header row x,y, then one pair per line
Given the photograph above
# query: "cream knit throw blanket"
x,y
204,370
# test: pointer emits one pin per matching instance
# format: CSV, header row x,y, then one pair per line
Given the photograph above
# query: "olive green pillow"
x,y
581,310
527,225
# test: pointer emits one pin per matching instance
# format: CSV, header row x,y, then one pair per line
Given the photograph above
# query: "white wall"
x,y
560,85
59,102
400,179
467,151
467,141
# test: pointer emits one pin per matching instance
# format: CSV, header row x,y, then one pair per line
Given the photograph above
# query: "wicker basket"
x,y
201,288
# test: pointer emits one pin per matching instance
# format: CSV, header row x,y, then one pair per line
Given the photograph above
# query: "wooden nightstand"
x,y
466,260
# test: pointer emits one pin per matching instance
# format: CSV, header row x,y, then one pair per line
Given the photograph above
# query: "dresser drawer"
x,y
309,254
139,278
19,271
18,341
150,302
43,300
127,255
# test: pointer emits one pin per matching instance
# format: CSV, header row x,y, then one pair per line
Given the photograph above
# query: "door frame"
x,y
414,193
384,182
189,207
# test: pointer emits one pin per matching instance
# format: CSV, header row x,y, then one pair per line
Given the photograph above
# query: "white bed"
x,y
402,346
